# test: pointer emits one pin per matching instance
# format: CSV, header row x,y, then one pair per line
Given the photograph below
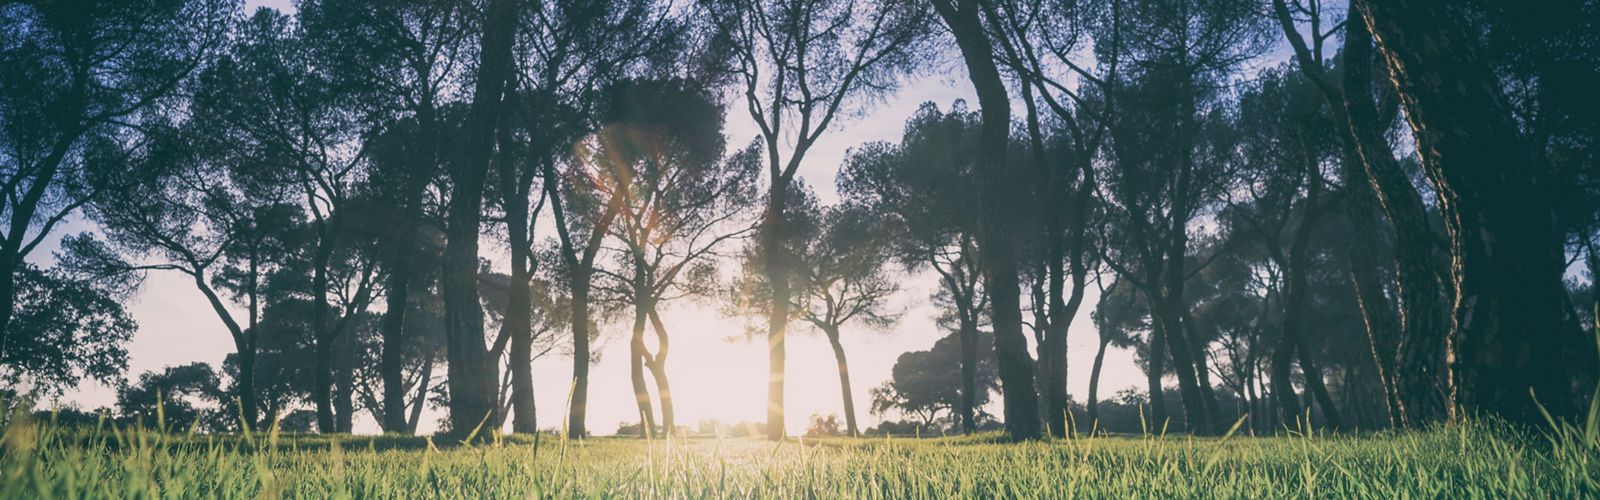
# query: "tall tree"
x,y
1177,53
180,210
660,151
1063,145
921,191
995,234
800,65
1284,148
573,49
472,375
1414,354
1506,338
842,280
401,59
81,76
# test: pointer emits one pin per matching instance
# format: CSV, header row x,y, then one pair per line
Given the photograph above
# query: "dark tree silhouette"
x,y
800,65
83,79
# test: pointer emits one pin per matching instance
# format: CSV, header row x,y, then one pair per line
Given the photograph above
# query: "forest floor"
x,y
1459,461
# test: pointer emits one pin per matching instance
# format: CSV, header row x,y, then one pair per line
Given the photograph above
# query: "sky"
x,y
717,370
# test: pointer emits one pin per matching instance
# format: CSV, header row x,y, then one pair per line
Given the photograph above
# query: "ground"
x,y
1459,461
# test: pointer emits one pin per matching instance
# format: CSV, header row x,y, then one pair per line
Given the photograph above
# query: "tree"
x,y
83,78
181,210
267,101
995,234
1164,173
1283,152
471,374
1506,339
920,384
1376,177
65,329
1063,146
800,65
401,58
841,279
167,400
659,152
921,190
574,49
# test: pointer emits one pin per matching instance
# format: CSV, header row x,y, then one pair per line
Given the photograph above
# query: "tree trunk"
x,y
776,269
1377,314
999,258
247,383
1208,392
422,397
518,317
1194,408
517,324
969,368
637,357
472,376
344,381
1421,381
1157,361
1506,340
1093,402
8,294
844,381
1319,388
658,370
322,378
391,363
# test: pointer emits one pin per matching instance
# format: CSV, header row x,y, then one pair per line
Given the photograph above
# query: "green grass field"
x,y
1461,461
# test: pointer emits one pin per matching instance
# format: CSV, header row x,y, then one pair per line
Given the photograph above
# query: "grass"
x,y
1464,460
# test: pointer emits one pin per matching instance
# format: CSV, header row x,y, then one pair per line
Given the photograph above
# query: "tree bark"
x,y
1093,402
1419,382
969,368
1156,349
658,370
473,376
999,258
776,268
1508,323
1377,314
322,388
844,381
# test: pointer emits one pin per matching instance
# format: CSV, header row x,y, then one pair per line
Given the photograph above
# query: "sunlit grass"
x,y
1469,460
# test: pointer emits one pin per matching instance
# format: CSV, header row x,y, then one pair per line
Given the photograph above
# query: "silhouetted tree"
x,y
800,65
83,81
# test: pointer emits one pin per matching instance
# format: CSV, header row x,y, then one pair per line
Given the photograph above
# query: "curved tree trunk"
x,y
638,358
999,258
844,381
658,370
1506,340
1093,402
1377,314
